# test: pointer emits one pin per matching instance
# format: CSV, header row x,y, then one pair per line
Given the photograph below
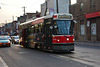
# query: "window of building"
x,y
92,4
93,29
82,27
81,6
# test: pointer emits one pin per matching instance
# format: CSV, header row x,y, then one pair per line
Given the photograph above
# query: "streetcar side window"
x,y
36,28
32,28
40,28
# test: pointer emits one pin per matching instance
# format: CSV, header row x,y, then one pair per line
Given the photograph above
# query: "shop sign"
x,y
92,15
51,11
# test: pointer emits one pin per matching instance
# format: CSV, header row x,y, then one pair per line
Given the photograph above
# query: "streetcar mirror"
x,y
32,27
74,21
51,27
55,26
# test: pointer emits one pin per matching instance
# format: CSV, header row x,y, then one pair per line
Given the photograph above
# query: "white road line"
x,y
3,64
22,52
75,59
17,45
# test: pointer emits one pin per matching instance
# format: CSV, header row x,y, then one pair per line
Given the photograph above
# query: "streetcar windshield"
x,y
63,27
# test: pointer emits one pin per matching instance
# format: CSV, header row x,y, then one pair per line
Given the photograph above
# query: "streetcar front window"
x,y
63,27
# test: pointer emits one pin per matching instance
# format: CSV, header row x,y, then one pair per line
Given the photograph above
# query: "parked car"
x,y
15,39
8,37
4,41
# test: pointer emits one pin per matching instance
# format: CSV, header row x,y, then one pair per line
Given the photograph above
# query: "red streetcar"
x,y
49,33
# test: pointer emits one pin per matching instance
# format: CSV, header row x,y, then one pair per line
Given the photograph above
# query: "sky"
x,y
10,8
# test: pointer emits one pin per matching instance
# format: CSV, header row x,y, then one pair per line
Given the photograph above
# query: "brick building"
x,y
13,26
87,15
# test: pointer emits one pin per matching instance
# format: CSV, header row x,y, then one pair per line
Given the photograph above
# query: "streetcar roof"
x,y
29,22
44,17
48,16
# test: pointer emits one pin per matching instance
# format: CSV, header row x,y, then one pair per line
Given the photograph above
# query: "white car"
x,y
15,39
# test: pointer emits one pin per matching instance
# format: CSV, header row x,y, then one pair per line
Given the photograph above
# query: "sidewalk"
x,y
88,43
2,63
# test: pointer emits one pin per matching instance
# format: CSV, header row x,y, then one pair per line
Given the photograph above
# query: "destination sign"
x,y
65,16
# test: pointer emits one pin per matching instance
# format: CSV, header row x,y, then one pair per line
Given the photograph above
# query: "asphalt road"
x,y
17,56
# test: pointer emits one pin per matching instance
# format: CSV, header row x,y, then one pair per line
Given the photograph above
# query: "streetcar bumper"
x,y
63,47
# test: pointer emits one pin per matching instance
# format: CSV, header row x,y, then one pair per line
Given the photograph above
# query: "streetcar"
x,y
52,32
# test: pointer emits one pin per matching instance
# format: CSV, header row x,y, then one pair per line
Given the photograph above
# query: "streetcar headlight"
x,y
73,39
58,40
67,39
15,40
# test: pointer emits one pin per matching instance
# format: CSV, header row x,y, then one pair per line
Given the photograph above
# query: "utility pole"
x,y
12,18
24,13
24,9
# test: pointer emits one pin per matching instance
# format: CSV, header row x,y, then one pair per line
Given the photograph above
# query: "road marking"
x,y
22,52
17,45
75,59
3,64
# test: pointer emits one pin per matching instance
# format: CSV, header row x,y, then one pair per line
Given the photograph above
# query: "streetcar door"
x,y
48,34
23,37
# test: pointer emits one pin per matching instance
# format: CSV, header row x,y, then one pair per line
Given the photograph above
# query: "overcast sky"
x,y
14,8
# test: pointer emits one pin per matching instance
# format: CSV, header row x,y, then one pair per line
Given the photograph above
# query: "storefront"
x,y
93,26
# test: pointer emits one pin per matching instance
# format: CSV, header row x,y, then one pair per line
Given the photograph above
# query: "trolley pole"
x,y
57,6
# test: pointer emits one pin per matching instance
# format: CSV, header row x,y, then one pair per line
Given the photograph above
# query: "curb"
x,y
97,44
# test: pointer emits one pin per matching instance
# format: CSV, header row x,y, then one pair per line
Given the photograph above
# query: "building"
x,y
47,8
43,9
61,6
87,15
55,6
13,28
28,16
21,19
2,29
8,28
